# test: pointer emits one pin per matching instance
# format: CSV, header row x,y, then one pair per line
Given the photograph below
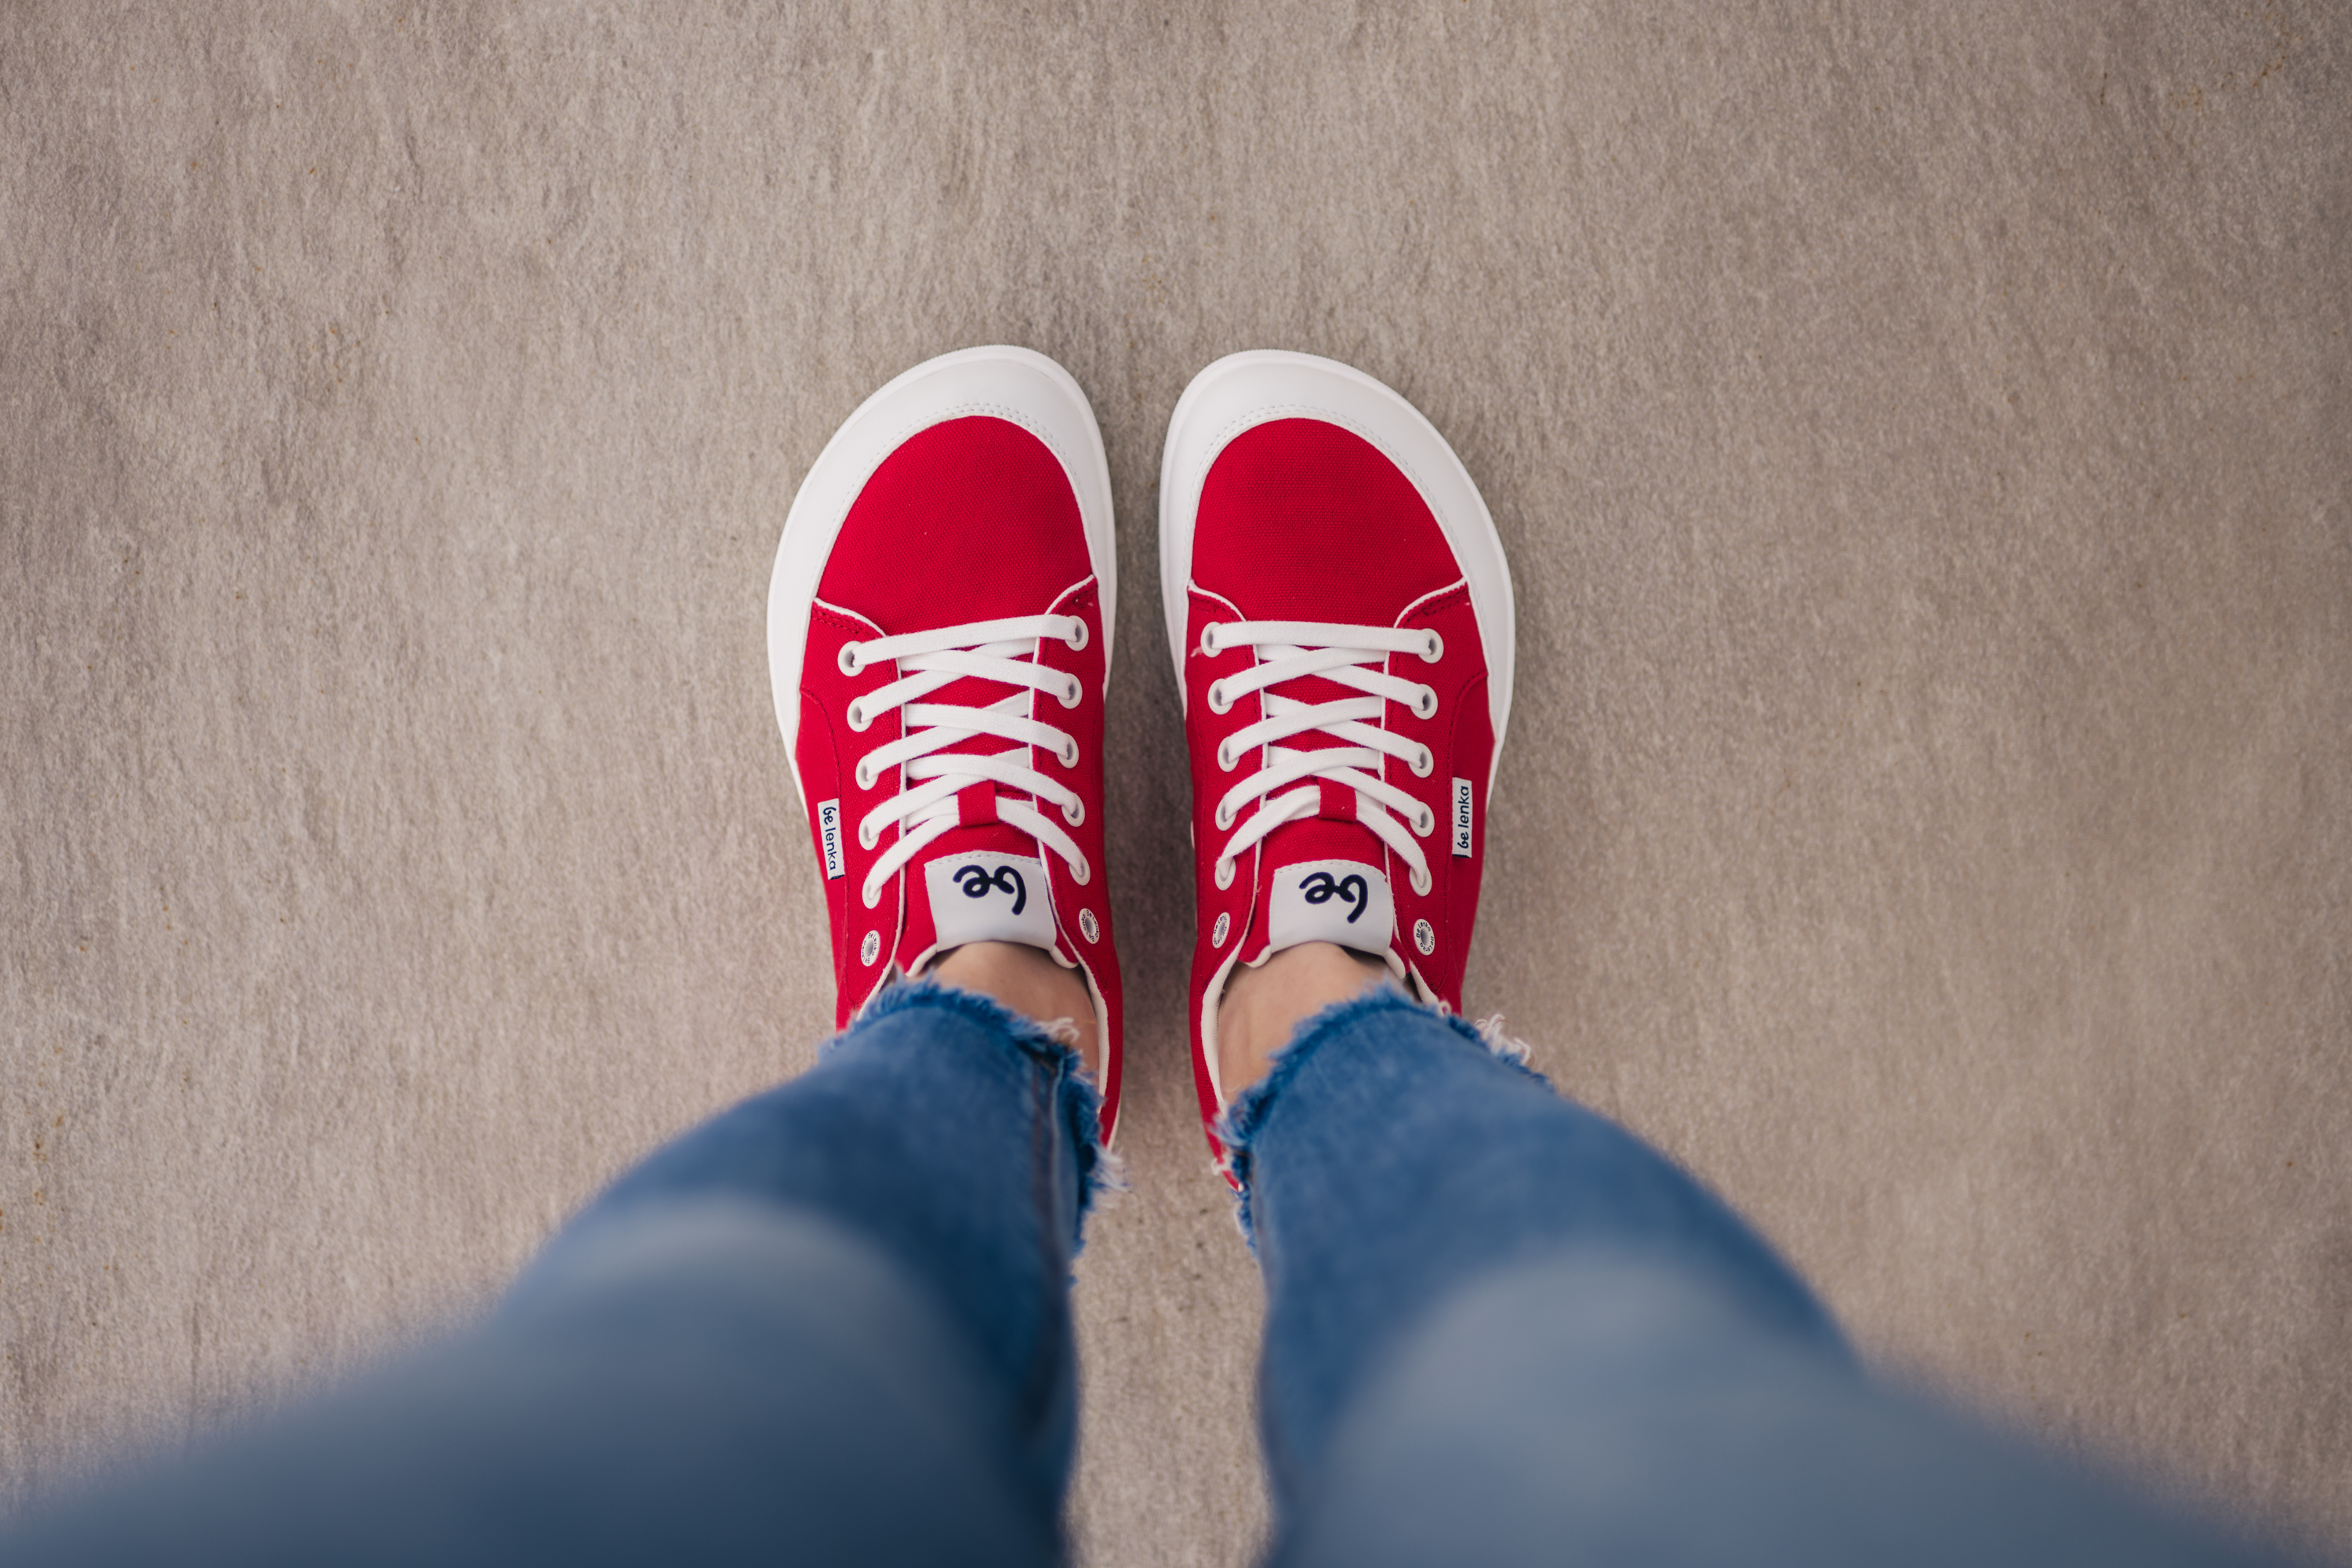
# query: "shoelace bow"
x,y
1287,651
1002,650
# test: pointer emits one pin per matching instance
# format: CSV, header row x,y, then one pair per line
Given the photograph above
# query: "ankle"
x,y
1263,1007
1028,981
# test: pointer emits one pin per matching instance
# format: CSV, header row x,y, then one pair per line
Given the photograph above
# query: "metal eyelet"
x,y
872,896
1224,875
849,661
869,836
1080,872
1069,754
1424,765
1424,702
1422,882
1071,694
1075,812
871,948
1424,937
1208,640
1077,635
1224,928
856,716
1218,701
1225,758
1426,823
1224,817
1434,650
1087,927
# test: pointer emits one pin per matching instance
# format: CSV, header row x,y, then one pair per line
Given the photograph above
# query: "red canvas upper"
x,y
1300,519
967,521
1290,514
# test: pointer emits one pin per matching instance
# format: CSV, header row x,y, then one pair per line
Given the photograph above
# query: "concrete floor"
x,y
1922,444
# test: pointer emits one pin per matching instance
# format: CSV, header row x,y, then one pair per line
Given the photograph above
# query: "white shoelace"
x,y
1004,651
1287,651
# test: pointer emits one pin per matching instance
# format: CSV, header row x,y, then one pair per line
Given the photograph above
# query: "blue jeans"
x,y
832,1325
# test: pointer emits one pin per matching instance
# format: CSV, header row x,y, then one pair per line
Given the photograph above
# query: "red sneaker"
x,y
938,630
1339,612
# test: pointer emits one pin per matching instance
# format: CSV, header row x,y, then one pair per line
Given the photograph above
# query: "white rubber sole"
x,y
1011,384
1242,391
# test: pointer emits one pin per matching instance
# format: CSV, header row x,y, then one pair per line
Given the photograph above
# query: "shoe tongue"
x,y
974,691
983,880
1322,881
983,883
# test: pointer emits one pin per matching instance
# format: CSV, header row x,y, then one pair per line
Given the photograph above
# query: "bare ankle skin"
x,y
1262,1007
1029,982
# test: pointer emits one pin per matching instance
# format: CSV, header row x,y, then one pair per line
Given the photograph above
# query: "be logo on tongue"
x,y
984,895
1342,902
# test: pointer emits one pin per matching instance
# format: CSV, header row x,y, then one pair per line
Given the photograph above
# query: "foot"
x,y
1340,613
939,631
1263,1007
1028,981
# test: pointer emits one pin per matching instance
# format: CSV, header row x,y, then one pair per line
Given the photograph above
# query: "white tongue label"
x,y
1342,902
987,896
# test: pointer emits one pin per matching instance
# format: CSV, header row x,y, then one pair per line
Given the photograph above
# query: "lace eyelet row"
x,y
1432,649
851,659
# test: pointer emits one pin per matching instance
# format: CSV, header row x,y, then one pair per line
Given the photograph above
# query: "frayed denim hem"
x,y
1100,1171
1245,1113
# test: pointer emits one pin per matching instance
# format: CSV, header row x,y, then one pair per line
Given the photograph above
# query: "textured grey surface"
x,y
1922,447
